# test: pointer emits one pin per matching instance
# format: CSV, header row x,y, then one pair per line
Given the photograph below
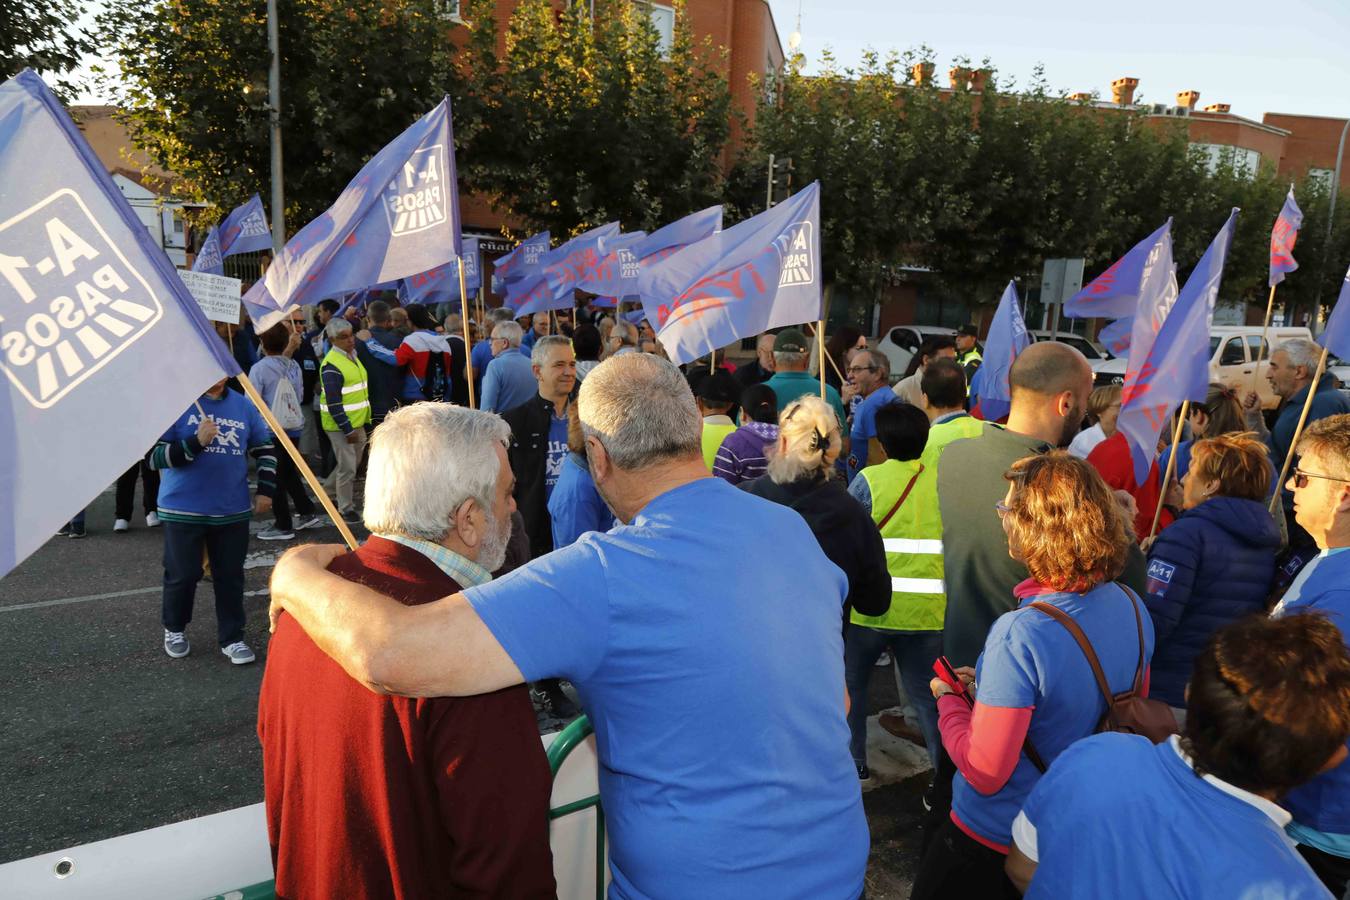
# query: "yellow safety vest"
x,y
939,436
912,538
355,392
713,436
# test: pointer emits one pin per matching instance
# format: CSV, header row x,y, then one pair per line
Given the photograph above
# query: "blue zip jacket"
x,y
1212,566
1323,803
1327,401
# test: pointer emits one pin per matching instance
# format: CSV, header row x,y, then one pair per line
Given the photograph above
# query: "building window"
x,y
661,18
177,222
447,9
1241,159
1321,176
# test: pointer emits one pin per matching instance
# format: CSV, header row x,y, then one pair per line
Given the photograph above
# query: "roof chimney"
x,y
922,73
1081,97
1122,91
959,77
1188,99
1218,108
978,79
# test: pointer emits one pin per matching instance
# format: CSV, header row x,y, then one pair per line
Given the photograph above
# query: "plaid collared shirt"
x,y
465,572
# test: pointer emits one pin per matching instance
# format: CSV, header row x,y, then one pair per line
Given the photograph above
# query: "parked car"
x,y
1095,353
1233,354
901,341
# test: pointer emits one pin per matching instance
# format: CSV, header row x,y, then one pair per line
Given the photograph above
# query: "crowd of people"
x,y
710,560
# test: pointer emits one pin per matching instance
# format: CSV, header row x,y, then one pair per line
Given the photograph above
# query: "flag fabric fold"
x,y
1282,239
1114,294
1116,336
1169,349
245,229
759,274
98,335
209,258
521,262
441,284
399,216
1336,336
558,273
1008,337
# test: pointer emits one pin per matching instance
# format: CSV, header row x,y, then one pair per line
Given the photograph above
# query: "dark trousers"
x,y
327,459
290,486
955,865
126,490
940,797
1333,870
225,546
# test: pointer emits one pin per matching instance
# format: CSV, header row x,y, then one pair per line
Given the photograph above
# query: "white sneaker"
x,y
121,525
176,644
239,653
884,659
152,520
308,522
273,533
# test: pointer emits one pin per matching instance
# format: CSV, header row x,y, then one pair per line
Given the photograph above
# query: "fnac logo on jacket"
x,y
794,246
418,197
69,300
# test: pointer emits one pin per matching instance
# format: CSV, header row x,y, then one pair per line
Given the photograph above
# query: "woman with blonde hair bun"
x,y
801,476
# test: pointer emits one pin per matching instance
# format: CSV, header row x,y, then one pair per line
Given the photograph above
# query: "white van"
x,y
1233,354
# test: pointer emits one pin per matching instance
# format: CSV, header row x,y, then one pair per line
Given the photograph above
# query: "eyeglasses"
x,y
1002,509
1301,478
854,369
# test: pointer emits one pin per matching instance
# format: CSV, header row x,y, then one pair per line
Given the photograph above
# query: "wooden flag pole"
x,y
833,365
1171,467
1298,432
820,346
712,361
1260,351
284,439
468,347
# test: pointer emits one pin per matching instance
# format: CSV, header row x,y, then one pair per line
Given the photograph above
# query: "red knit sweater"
x,y
388,797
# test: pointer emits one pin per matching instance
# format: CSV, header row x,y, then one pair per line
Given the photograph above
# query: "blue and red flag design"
x,y
1114,294
1336,337
1282,239
560,271
522,262
759,274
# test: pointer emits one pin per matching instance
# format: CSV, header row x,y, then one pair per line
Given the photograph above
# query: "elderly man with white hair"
x,y
344,410
719,721
623,338
389,796
509,380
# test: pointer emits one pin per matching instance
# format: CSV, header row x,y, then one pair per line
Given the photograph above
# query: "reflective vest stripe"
x,y
910,545
358,388
355,391
917,585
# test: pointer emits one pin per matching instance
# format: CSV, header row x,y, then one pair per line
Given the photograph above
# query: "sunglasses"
x,y
1301,478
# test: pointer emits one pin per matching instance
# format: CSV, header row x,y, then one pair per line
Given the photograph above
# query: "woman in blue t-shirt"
x,y
1032,684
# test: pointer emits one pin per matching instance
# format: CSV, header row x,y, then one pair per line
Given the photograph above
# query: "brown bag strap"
x,y
1083,644
903,496
1139,627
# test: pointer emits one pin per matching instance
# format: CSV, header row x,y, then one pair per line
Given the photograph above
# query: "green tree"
x,y
193,89
42,35
582,121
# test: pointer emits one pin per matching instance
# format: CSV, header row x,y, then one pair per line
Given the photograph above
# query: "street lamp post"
x,y
274,120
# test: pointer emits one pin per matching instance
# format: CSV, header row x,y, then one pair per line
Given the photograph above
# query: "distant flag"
x,y
1336,337
1282,238
1170,363
521,262
208,258
759,274
631,253
398,217
98,335
559,271
670,239
604,302
1116,336
441,284
472,258
1115,293
245,229
615,273
1008,337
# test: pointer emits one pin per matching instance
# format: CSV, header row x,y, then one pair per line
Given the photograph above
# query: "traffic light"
x,y
780,177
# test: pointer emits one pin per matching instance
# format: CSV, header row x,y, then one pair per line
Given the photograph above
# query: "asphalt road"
x,y
103,734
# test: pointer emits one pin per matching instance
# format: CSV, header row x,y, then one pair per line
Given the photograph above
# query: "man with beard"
x,y
382,796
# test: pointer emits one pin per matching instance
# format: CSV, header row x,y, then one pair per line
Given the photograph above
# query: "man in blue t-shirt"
x,y
719,721
870,372
205,508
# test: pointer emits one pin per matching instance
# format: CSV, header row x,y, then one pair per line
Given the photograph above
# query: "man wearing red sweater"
x,y
373,796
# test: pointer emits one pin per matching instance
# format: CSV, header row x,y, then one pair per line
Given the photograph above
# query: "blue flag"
x,y
1116,336
98,335
636,251
1008,337
1282,238
759,274
245,230
521,262
1173,366
1336,337
1114,294
208,258
559,272
615,273
398,217
441,284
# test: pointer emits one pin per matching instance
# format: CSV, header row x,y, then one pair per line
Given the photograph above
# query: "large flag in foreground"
x,y
1172,366
1336,337
1008,337
761,273
1282,238
398,217
101,345
1114,294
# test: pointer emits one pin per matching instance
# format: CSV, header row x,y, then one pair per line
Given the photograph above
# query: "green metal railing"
x,y
567,741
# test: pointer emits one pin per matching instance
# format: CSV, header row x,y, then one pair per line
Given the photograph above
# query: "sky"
x,y
1289,56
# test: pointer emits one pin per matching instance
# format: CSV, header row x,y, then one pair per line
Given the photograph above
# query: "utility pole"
x,y
274,119
768,190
